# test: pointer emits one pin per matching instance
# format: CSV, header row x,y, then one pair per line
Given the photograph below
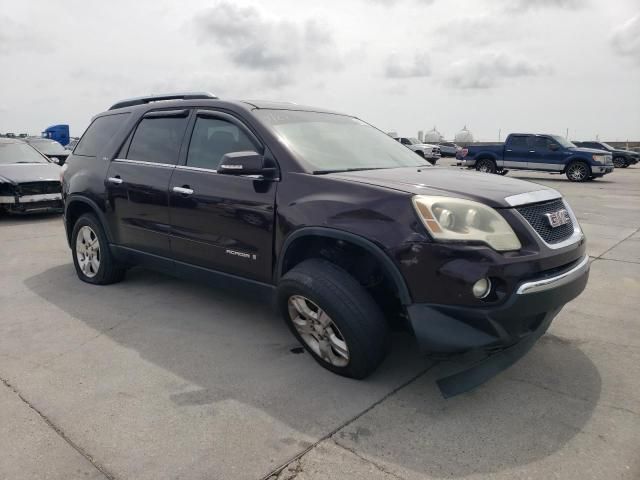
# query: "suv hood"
x,y
489,189
29,172
594,151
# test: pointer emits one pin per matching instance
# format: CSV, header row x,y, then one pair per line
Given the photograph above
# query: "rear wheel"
x,y
578,172
486,165
334,318
92,257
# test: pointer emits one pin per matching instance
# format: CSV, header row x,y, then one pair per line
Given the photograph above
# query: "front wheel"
x,y
620,162
334,318
92,257
486,166
578,172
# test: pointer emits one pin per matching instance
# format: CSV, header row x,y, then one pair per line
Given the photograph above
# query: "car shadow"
x,y
234,347
20,219
519,417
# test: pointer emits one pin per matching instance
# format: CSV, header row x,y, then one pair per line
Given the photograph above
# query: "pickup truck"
x,y
547,153
425,150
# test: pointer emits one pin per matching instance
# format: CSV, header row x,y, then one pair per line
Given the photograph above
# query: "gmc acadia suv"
x,y
348,230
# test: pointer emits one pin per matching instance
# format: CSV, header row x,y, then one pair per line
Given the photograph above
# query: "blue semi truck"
x,y
59,133
547,153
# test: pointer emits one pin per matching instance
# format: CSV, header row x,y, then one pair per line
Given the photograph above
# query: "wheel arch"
x,y
319,233
76,206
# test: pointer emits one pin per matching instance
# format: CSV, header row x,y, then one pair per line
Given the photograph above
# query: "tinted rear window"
x,y
158,140
101,130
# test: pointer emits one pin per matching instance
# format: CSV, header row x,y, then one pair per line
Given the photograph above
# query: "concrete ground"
x,y
158,378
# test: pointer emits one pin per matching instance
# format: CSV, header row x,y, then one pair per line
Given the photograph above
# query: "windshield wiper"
x,y
340,170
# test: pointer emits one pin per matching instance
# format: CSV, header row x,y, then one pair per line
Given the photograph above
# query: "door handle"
x,y
183,190
509,150
532,151
115,180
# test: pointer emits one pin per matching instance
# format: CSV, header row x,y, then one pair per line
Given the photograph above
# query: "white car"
x,y
425,150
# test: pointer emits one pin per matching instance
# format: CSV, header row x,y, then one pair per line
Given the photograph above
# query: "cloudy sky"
x,y
403,65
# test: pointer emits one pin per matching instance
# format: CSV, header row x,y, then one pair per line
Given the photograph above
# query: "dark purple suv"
x,y
349,231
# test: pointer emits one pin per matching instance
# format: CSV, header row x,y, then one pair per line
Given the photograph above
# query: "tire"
x,y
486,165
578,172
96,266
620,162
349,312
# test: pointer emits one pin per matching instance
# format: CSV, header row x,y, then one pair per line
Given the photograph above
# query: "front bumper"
x,y
496,337
46,202
598,170
455,329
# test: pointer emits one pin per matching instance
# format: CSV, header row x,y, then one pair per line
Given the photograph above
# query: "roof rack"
x,y
131,102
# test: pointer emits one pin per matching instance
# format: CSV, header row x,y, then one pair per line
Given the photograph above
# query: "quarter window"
x,y
213,138
158,140
101,130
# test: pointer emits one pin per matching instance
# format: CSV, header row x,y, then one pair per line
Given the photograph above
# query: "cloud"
x,y
626,39
274,46
525,5
490,70
487,29
418,67
16,38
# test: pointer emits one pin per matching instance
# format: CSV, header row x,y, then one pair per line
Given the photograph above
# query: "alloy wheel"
x,y
88,251
318,331
578,172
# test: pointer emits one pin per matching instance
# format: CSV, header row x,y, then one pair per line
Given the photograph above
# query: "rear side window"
x,y
158,140
213,138
101,130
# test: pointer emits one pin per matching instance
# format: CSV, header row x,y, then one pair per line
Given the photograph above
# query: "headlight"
x,y
454,219
600,158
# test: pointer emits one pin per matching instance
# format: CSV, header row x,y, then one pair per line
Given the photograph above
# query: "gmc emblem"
x,y
556,219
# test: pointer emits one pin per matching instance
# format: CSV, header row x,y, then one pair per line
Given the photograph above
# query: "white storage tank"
x,y
433,136
464,136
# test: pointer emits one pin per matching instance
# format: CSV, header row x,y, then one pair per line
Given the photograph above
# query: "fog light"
x,y
482,288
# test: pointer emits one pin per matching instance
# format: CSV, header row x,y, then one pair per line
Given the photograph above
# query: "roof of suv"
x,y
129,105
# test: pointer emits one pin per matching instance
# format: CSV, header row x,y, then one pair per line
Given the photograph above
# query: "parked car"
x,y
52,149
546,153
29,182
355,232
425,150
449,149
621,158
72,144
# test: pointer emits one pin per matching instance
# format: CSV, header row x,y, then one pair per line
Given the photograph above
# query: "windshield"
x,y
414,141
326,142
19,153
48,147
607,146
563,141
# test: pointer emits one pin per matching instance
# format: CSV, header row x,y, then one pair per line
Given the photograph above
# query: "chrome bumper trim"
x,y
31,198
557,281
532,197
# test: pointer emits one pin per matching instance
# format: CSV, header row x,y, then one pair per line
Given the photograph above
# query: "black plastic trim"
x,y
369,246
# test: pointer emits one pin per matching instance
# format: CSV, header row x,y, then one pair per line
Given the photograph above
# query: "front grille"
x,y
39,188
535,215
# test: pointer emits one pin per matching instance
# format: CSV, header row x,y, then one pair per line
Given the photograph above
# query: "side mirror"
x,y
243,163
